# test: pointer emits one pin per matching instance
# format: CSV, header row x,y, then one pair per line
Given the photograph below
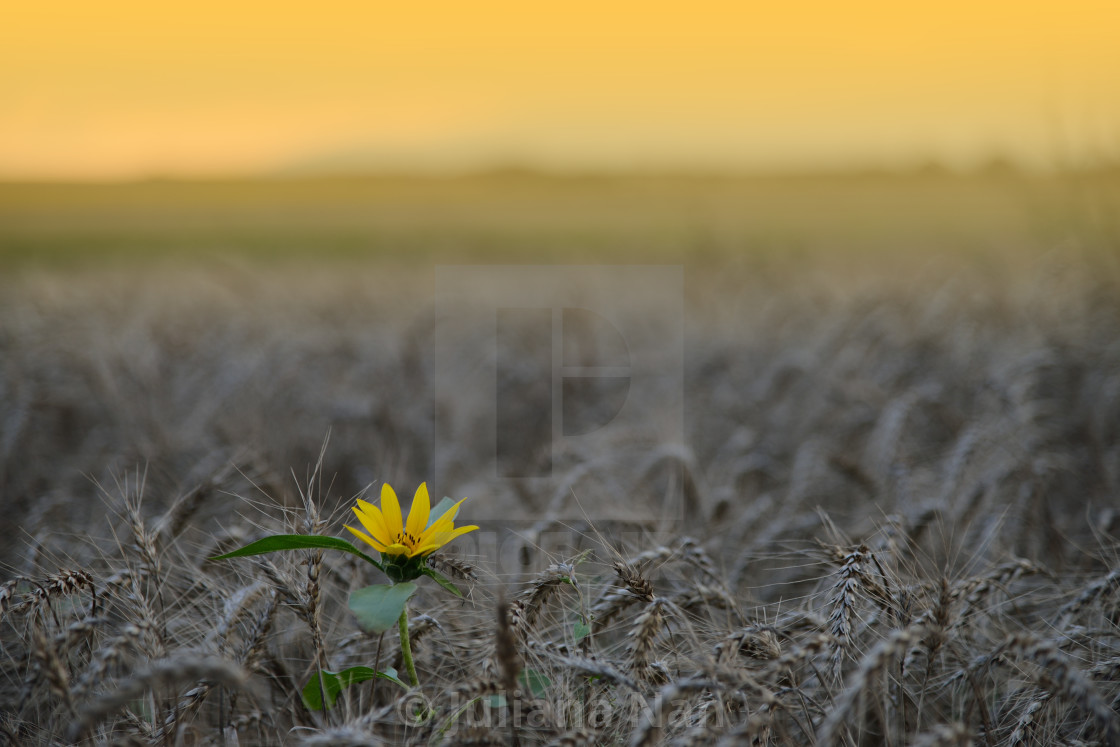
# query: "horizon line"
x,y
995,166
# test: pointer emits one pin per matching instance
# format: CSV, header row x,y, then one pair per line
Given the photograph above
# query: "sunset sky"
x,y
112,90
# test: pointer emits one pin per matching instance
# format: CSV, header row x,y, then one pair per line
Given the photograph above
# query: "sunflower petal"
x,y
418,514
460,531
438,528
451,512
391,510
373,521
367,539
442,538
396,549
439,509
444,523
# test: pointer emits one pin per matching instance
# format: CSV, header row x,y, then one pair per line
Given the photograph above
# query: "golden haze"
x,y
130,89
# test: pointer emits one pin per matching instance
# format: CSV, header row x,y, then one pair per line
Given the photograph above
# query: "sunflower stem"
x,y
406,647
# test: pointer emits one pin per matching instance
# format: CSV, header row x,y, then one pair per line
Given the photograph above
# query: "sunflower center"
x,y
407,539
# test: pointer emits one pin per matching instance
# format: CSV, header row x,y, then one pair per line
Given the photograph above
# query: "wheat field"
x,y
898,477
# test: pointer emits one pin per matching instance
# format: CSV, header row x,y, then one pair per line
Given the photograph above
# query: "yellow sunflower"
x,y
414,538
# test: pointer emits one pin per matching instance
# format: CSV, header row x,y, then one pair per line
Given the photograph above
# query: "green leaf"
x,y
497,701
581,630
390,674
439,510
440,579
278,542
534,682
333,682
378,607
142,707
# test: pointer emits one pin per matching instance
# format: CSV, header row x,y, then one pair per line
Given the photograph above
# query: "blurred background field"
x,y
203,313
523,216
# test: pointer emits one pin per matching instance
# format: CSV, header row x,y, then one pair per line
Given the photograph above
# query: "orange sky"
x,y
115,89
